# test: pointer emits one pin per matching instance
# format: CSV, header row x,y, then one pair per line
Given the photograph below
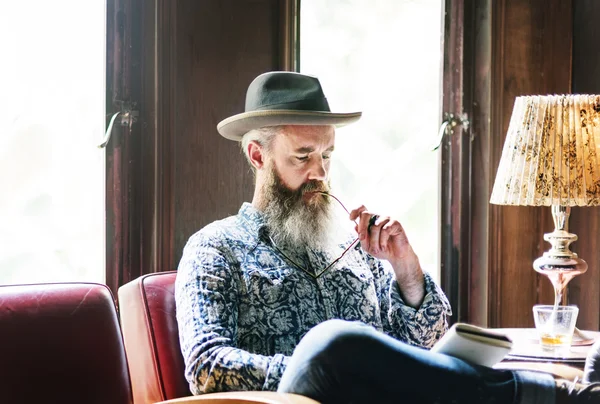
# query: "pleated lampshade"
x,y
551,154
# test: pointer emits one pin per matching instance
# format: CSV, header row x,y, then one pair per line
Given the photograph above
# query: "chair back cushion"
x,y
147,307
61,343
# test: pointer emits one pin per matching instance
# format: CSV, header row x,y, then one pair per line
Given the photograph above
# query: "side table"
x,y
527,349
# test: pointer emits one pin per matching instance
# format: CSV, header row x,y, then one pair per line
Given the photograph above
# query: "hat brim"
x,y
235,127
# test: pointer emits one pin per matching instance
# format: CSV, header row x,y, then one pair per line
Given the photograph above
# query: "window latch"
x,y
448,124
127,118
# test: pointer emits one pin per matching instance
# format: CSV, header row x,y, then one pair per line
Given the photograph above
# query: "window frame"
x,y
464,193
139,205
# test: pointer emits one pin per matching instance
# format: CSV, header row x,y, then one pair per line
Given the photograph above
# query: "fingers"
x,y
372,221
378,234
370,231
355,213
387,230
375,232
363,227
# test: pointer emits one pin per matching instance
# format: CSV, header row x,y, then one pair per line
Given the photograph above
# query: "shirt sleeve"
x,y
421,327
206,305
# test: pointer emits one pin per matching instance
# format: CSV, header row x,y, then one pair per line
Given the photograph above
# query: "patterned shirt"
x,y
242,307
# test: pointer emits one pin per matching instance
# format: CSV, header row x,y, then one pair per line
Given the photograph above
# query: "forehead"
x,y
302,136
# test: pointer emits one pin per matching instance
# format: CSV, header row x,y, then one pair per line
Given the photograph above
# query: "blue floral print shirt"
x,y
242,307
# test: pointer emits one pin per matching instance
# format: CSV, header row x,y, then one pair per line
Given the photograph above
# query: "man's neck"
x,y
258,200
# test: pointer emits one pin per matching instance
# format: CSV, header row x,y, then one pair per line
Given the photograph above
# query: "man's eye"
x,y
326,156
302,158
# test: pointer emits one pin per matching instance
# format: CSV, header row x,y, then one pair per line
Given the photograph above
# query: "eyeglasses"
x,y
317,275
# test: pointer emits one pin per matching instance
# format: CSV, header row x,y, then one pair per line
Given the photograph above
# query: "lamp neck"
x,y
560,238
560,215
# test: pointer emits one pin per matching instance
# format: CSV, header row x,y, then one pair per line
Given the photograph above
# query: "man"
x,y
250,287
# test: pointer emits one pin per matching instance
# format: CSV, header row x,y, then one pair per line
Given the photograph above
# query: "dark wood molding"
x,y
289,35
159,129
496,142
449,253
465,162
480,172
155,125
584,290
456,157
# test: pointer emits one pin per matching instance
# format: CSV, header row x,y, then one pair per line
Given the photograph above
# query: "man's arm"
x,y
421,326
414,307
410,278
206,301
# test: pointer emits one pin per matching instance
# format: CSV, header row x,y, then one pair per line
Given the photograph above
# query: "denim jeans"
x,y
348,362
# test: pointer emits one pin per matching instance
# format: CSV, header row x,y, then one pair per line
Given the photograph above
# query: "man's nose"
x,y
318,171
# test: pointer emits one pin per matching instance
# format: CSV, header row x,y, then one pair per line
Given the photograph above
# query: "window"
x,y
383,57
51,118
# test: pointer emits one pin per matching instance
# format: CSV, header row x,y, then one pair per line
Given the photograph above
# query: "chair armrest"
x,y
243,397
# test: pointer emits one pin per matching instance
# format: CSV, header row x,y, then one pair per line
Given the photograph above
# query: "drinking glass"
x,y
555,326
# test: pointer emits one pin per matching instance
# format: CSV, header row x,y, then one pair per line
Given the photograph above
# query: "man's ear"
x,y
256,154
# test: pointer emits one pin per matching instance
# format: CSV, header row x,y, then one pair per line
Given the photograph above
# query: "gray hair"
x,y
263,136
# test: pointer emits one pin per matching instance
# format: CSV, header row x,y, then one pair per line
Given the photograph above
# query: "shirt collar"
x,y
252,217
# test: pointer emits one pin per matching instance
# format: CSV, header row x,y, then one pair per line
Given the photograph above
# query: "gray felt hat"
x,y
283,98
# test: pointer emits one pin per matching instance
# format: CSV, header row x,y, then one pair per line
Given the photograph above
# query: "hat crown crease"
x,y
271,90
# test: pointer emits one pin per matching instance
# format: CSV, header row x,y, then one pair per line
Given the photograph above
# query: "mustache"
x,y
314,186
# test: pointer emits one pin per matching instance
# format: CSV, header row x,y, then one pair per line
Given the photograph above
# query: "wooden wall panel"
x,y
585,222
531,53
219,47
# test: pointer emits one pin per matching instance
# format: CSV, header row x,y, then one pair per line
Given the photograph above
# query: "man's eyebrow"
x,y
305,149
308,149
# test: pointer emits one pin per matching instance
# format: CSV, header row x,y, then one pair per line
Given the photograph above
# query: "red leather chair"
x,y
147,307
151,336
61,343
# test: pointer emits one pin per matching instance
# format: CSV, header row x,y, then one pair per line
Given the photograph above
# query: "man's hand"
x,y
384,238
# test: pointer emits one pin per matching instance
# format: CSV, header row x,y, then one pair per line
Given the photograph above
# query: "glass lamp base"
x,y
546,264
560,264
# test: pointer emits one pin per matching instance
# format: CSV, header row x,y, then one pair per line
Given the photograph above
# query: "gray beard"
x,y
293,223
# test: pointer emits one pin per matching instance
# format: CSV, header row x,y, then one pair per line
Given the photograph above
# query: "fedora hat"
x,y
283,98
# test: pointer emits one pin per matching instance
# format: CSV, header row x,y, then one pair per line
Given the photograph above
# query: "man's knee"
x,y
323,357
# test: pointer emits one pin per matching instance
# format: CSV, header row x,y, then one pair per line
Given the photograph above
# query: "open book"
x,y
474,344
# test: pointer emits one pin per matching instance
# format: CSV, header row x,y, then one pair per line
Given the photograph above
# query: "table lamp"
x,y
551,157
